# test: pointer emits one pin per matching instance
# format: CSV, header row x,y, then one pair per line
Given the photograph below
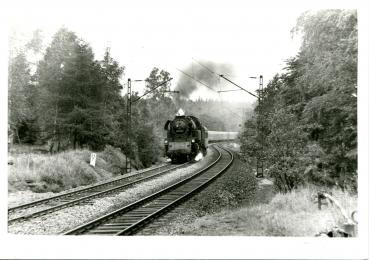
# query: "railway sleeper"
x,y
102,232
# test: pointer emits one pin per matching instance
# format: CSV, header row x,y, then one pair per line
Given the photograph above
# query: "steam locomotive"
x,y
186,138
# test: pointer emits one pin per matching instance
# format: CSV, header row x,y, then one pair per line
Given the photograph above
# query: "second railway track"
x,y
83,195
131,218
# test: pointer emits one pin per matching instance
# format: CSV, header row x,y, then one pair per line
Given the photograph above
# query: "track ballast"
x,y
131,218
83,195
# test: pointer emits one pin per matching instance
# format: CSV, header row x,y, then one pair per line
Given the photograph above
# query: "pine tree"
x,y
21,93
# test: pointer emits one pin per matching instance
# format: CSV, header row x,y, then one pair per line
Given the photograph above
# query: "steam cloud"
x,y
186,86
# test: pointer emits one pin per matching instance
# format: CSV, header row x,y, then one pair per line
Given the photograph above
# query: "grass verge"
x,y
292,214
62,171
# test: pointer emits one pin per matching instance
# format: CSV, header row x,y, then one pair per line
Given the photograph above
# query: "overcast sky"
x,y
255,39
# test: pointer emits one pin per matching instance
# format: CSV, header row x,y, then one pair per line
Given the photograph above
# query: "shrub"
x,y
59,174
147,146
43,173
115,159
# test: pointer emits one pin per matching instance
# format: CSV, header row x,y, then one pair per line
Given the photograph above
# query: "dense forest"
x,y
305,128
67,99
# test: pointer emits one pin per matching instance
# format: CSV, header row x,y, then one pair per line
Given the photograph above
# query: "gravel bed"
x,y
27,211
21,197
66,219
179,221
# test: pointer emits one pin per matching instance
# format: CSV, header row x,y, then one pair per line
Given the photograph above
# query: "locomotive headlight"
x,y
193,140
165,141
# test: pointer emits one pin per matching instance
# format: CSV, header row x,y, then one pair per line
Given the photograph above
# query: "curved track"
x,y
131,218
83,195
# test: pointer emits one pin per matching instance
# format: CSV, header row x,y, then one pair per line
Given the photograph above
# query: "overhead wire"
x,y
148,92
213,72
209,86
222,103
222,76
219,93
205,67
197,80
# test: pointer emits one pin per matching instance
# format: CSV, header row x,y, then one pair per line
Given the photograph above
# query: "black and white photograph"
x,y
185,129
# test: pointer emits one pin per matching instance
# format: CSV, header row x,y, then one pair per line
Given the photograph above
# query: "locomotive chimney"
x,y
180,112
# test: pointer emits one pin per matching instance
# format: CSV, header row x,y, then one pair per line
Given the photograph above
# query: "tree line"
x,y
71,100
305,128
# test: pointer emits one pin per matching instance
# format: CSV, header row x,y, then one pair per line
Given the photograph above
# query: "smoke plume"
x,y
203,71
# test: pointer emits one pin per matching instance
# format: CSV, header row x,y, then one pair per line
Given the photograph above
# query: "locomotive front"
x,y
186,137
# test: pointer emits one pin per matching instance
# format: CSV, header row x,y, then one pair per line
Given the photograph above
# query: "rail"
x,y
79,196
133,217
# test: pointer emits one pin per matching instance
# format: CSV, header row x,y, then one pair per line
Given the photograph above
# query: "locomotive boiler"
x,y
186,138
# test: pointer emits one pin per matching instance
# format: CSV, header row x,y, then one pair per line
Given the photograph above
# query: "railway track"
x,y
131,218
83,195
